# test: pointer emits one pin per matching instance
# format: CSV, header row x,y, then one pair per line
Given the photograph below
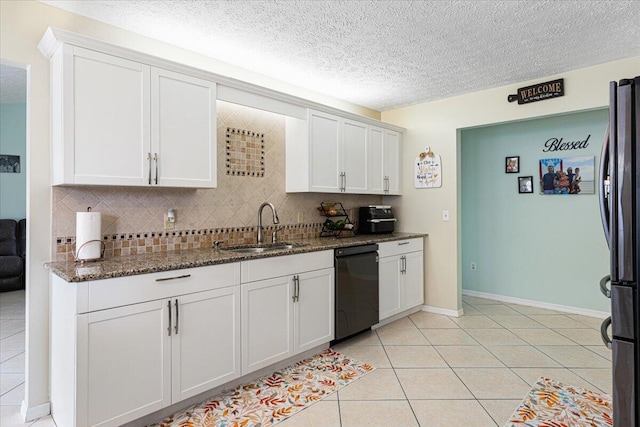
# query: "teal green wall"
x,y
13,141
546,248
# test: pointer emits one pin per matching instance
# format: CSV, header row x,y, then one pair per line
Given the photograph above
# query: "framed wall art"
x,y
525,184
512,164
9,164
568,175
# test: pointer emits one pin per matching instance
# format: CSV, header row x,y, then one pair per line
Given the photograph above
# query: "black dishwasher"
x,y
357,305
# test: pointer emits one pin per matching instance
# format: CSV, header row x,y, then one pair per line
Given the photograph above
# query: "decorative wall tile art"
x,y
245,153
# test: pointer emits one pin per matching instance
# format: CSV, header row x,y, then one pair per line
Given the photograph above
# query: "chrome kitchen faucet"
x,y
275,219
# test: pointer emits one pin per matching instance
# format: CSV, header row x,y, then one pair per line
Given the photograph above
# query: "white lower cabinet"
x,y
313,312
286,315
123,364
205,350
123,348
267,322
118,363
143,357
401,270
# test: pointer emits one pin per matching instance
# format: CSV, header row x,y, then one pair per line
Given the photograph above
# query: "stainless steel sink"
x,y
263,248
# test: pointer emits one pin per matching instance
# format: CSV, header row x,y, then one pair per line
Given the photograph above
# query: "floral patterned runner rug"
x,y
273,398
552,404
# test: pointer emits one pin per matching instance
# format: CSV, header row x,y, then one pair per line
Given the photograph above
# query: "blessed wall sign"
x,y
559,144
539,92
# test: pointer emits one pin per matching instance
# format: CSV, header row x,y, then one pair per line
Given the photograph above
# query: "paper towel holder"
x,y
82,261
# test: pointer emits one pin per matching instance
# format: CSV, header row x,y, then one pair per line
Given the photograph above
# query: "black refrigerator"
x,y
620,211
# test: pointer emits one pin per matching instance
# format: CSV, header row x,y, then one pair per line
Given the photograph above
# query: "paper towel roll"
x,y
88,227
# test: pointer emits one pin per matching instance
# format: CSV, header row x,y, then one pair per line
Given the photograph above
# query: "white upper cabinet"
x,y
122,122
354,157
183,117
101,119
325,145
332,154
384,145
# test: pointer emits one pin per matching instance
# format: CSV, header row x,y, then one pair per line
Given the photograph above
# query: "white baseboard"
x,y
438,310
531,303
33,413
395,317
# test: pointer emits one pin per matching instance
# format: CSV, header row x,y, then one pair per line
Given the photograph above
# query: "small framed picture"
x,y
525,184
9,164
512,164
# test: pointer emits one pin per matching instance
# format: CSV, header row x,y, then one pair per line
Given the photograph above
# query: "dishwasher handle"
x,y
355,250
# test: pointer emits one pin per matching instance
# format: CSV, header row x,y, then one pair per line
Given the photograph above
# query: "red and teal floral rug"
x,y
274,398
552,404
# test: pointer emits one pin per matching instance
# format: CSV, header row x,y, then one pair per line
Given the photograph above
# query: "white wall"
x,y
437,124
22,24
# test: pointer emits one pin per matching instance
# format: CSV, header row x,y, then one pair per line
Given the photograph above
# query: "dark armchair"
x,y
12,254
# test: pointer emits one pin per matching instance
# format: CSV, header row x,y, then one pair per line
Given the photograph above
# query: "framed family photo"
x,y
512,164
568,175
525,184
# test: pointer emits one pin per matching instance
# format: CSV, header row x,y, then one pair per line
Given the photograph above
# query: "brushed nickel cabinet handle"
x,y
169,307
403,243
150,166
155,159
164,279
177,316
296,288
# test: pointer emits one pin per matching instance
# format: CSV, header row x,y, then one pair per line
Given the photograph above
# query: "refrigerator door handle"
x,y
603,286
603,332
603,185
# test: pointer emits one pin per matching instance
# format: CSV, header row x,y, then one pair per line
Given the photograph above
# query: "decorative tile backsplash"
x,y
232,206
245,153
163,241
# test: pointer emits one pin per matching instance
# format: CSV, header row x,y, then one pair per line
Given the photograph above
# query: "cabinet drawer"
x,y
266,268
399,247
108,293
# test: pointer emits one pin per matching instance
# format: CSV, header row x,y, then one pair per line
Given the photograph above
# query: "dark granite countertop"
x,y
175,260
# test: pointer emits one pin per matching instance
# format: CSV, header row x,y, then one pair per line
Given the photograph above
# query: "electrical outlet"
x,y
474,266
445,215
167,224
300,217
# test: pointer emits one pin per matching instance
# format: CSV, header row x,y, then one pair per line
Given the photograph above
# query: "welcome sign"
x,y
539,92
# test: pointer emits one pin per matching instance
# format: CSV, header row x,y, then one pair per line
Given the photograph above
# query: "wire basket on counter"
x,y
338,224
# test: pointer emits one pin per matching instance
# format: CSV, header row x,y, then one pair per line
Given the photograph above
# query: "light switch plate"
x,y
445,215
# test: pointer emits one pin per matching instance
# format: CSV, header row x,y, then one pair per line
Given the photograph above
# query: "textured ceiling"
x,y
13,85
387,54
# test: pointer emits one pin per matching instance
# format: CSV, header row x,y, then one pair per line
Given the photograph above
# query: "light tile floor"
x,y
433,370
12,345
472,371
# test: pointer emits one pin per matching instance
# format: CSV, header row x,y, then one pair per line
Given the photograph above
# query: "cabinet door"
x,y
183,116
354,156
267,322
123,364
390,286
314,310
205,341
413,280
377,175
108,115
324,141
392,161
